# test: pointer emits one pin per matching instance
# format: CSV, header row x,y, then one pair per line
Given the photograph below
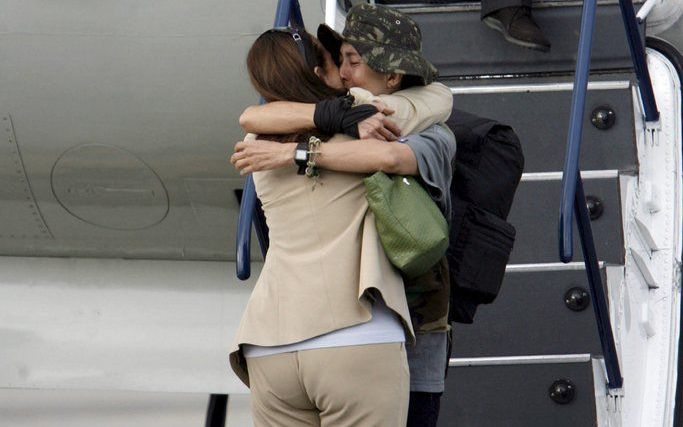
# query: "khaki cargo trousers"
x,y
362,385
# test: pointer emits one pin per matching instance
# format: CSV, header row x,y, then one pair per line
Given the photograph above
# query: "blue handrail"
x,y
571,160
288,11
250,213
573,198
578,106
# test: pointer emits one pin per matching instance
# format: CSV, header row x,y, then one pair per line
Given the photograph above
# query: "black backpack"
x,y
487,169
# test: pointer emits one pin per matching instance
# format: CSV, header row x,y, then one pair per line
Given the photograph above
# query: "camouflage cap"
x,y
387,40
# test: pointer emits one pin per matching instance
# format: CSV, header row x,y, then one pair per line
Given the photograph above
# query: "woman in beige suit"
x,y
322,338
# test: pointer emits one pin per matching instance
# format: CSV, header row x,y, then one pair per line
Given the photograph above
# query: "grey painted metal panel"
x,y
530,317
535,214
164,82
460,45
541,120
516,396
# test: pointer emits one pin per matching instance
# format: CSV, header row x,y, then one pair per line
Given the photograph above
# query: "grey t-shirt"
x,y
434,149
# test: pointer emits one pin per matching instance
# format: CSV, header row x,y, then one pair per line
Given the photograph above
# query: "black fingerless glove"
x,y
337,115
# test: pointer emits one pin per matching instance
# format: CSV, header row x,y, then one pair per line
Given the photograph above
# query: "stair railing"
x,y
573,197
288,12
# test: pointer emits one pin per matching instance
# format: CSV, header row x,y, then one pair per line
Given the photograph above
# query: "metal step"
x,y
535,216
516,393
538,111
531,315
459,44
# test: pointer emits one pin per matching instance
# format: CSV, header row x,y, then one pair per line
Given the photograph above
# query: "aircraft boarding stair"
x,y
533,357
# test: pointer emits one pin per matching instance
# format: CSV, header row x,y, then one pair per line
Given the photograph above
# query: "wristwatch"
x,y
301,157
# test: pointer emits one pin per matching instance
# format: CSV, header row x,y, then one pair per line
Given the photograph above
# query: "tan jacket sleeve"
x,y
416,108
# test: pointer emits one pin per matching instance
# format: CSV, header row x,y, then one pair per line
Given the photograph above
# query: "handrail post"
x,y
571,160
600,309
244,221
639,62
283,13
287,11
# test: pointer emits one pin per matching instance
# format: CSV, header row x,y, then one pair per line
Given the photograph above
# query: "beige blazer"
x,y
325,253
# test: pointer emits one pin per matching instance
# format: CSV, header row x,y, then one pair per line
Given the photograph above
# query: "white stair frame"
x,y
645,293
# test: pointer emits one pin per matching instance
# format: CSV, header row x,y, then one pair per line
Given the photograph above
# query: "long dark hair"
x,y
279,72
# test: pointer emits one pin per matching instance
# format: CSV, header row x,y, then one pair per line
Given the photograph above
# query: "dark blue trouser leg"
x,y
423,410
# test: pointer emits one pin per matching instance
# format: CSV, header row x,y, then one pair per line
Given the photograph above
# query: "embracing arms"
x,y
417,108
284,117
428,154
278,117
357,156
410,110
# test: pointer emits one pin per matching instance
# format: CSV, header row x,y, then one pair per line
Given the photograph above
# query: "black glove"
x,y
337,115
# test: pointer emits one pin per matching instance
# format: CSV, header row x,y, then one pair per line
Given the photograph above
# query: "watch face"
x,y
300,155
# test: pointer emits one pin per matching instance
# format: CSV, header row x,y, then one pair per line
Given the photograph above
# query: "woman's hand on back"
x,y
378,126
261,155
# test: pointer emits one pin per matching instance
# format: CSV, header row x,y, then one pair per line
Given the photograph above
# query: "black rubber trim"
x,y
676,59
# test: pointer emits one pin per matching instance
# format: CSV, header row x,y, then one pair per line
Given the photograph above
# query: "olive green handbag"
x,y
411,227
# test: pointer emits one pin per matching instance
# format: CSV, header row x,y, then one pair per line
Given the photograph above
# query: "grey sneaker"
x,y
518,27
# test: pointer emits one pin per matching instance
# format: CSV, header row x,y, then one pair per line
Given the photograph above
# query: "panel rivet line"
x,y
22,178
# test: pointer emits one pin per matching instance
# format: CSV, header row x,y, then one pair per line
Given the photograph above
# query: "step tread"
x,y
517,396
534,214
458,44
529,317
541,121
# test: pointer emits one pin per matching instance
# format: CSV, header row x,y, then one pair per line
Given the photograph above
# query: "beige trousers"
x,y
362,385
